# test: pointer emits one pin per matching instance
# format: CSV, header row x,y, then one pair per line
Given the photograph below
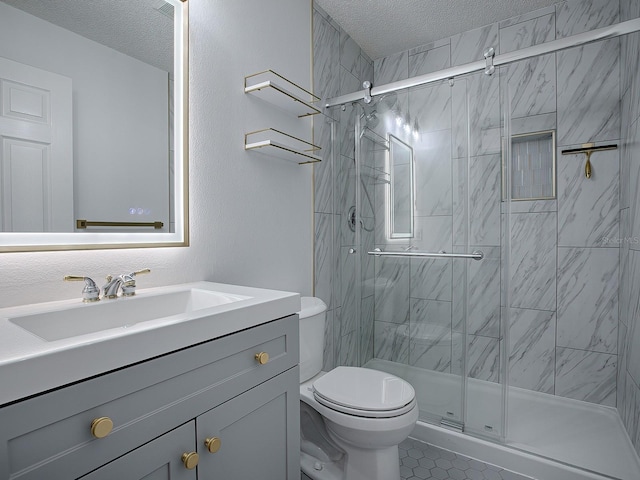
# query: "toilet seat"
x,y
364,392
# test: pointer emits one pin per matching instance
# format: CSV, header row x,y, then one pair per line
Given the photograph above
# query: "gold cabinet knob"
x,y
262,357
212,444
190,460
101,427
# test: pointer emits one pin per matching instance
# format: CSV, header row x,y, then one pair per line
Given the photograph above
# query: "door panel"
x,y
36,158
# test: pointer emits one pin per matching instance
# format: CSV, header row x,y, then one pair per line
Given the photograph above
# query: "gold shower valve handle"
x,y
190,460
262,357
213,444
101,427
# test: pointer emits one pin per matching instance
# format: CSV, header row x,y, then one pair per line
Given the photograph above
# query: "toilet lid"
x,y
365,392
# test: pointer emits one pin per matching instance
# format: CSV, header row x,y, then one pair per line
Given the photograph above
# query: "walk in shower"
x,y
463,244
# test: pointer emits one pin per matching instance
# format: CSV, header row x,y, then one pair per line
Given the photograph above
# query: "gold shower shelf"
x,y
83,224
282,145
276,89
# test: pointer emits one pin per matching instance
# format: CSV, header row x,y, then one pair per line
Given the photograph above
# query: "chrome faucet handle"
x,y
110,289
90,292
129,282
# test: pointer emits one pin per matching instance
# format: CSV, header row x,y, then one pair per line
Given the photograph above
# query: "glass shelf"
x,y
282,145
276,89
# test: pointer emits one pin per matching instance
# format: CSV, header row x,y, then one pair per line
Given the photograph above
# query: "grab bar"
x,y
475,255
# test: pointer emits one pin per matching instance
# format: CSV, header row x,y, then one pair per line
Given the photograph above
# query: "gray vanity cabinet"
x,y
250,376
160,459
255,433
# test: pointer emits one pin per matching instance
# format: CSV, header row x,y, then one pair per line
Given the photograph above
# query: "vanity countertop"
x,y
30,364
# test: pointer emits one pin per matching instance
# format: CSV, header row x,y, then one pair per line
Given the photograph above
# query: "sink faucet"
x,y
90,292
126,282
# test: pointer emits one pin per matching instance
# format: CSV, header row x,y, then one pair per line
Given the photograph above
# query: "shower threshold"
x,y
548,436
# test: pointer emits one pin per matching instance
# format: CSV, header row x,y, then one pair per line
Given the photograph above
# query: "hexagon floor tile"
x,y
420,461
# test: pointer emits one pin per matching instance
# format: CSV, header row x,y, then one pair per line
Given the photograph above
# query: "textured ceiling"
x,y
383,27
135,28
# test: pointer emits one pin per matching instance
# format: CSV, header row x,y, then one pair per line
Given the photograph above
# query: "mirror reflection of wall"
x,y
401,197
114,162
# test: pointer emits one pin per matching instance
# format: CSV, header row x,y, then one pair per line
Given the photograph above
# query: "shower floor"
x,y
581,434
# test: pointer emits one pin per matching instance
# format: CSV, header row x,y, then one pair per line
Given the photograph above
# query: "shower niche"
x,y
532,165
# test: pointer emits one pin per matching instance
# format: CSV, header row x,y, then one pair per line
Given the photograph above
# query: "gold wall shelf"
x,y
282,145
276,89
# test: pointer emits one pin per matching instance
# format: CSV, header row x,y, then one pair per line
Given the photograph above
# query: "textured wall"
x,y
251,215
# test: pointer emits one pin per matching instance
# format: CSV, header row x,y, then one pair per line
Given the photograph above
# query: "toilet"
x,y
351,419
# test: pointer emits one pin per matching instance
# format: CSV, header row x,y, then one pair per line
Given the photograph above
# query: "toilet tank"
x,y
312,319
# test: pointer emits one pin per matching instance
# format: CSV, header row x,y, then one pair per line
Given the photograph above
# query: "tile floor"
x,y
420,461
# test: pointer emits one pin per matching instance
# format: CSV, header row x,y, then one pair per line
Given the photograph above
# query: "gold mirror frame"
x,y
39,242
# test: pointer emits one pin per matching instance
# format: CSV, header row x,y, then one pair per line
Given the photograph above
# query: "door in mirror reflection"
x,y
36,153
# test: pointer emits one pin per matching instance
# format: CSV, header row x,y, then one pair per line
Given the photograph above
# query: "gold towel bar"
x,y
86,223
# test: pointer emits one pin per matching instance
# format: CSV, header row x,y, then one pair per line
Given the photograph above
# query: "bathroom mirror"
x,y
400,189
93,124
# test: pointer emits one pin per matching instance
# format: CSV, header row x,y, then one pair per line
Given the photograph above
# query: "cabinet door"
x,y
160,459
258,433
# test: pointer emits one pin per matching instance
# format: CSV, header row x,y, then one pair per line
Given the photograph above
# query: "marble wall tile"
x,y
528,33
587,376
323,258
532,349
433,171
348,84
328,357
629,51
392,290
589,93
429,345
429,312
631,410
349,54
431,107
428,61
366,69
392,68
588,209
531,86
526,17
460,201
625,166
388,345
349,319
576,17
459,119
433,233
533,123
624,280
469,46
629,9
588,298
336,276
633,316
349,349
480,281
345,178
483,358
484,114
366,329
431,278
633,144
323,171
533,260
621,373
326,58
484,200
337,337
530,206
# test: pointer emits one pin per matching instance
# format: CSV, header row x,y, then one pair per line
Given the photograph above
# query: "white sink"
x,y
56,324
48,345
